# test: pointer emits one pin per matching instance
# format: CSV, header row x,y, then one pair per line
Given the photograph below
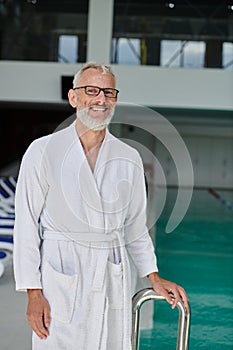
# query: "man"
x,y
80,210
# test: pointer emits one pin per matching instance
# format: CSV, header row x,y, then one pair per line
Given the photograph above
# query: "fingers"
x,y
179,294
172,292
176,296
184,297
160,289
38,314
169,299
38,325
47,318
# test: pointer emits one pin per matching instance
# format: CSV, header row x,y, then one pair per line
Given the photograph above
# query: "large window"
x,y
187,54
187,34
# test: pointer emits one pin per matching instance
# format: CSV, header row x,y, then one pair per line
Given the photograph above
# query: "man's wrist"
x,y
153,276
34,292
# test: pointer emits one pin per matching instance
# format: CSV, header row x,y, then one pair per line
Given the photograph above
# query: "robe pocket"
x,y
115,291
60,290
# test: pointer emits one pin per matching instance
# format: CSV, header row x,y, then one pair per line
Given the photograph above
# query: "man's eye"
x,y
92,91
109,92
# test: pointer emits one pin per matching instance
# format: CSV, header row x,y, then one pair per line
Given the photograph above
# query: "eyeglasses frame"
x,y
100,89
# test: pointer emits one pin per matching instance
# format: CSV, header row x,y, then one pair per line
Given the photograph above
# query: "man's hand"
x,y
38,313
164,287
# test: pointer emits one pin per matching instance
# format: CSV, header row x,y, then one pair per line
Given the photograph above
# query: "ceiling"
x,y
183,8
200,18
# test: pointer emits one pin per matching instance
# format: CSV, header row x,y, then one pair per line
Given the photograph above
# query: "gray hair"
x,y
101,67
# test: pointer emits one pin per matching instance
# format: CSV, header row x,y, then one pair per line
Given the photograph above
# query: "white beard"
x,y
90,122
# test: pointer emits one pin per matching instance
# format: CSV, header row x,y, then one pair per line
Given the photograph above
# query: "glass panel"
x,y
170,53
126,51
227,56
187,54
68,48
194,54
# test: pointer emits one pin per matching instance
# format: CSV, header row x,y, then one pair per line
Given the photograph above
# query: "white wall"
x,y
209,143
212,161
144,85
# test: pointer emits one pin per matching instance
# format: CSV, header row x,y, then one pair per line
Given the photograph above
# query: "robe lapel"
x,y
80,188
90,192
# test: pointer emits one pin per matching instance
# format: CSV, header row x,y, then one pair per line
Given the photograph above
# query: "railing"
x,y
183,322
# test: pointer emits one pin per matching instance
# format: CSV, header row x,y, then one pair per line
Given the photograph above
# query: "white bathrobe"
x,y
74,229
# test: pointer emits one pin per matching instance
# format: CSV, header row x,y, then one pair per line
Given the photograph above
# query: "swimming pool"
x,y
198,254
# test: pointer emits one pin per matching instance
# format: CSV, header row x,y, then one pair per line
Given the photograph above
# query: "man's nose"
x,y
101,98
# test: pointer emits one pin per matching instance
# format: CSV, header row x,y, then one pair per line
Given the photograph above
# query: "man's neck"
x,y
90,139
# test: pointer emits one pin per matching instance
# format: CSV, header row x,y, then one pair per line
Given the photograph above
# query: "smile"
x,y
100,109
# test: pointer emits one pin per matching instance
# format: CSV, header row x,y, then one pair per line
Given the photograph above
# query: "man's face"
x,y
95,111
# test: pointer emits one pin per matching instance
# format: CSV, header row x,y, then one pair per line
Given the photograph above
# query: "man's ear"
x,y
72,97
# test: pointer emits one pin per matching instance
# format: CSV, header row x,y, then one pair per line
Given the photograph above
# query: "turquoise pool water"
x,y
198,254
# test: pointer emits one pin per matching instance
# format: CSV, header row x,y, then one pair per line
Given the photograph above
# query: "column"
x,y
100,24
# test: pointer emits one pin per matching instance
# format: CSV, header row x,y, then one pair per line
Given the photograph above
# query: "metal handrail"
x,y
183,322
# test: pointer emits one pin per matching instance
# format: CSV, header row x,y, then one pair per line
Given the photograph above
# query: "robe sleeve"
x,y
30,196
138,241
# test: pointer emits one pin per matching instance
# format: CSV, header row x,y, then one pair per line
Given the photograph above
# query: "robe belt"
x,y
107,241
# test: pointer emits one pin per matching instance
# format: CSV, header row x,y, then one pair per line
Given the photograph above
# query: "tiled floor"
x,y
14,330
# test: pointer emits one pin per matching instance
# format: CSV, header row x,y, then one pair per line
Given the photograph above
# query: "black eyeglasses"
x,y
95,91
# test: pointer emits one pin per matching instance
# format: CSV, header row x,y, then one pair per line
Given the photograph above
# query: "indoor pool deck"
x,y
199,256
